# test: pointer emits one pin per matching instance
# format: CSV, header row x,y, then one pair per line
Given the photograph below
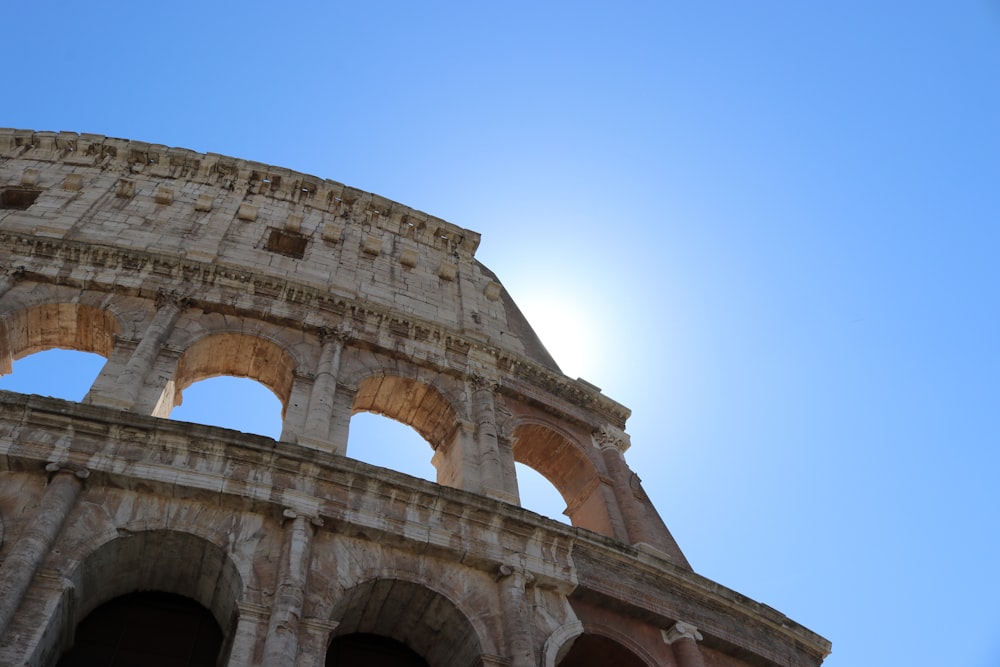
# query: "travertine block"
x,y
73,182
125,189
408,257
447,270
203,203
247,213
29,177
372,245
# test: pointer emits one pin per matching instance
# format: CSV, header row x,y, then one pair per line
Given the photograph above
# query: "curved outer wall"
x,y
178,266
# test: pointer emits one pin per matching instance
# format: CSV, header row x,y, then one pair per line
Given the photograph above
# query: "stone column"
x,y
683,639
37,537
611,450
128,386
488,452
249,626
516,614
319,416
282,641
642,523
8,276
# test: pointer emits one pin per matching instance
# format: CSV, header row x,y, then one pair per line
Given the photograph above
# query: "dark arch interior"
x,y
149,628
371,651
595,651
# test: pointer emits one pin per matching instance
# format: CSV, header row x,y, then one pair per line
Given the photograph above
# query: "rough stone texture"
x,y
178,266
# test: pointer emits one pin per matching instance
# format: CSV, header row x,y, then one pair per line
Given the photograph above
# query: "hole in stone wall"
x,y
539,495
371,650
231,402
286,243
65,374
18,199
387,443
148,628
594,650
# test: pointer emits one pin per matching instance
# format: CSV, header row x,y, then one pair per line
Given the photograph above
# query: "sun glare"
x,y
567,330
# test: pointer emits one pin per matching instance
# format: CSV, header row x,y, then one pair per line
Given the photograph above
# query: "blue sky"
x,y
769,228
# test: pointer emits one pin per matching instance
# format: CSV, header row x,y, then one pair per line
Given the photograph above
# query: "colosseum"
x,y
127,538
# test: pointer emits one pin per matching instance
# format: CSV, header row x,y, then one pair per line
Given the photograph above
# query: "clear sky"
x,y
769,228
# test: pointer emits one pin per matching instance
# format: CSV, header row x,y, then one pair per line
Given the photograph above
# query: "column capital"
x,y
609,437
681,630
506,570
341,333
56,468
170,298
481,381
290,514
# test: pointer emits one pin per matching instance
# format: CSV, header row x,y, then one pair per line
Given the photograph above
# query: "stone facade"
x,y
178,266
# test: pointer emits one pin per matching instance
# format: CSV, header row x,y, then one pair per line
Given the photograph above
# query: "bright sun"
x,y
568,332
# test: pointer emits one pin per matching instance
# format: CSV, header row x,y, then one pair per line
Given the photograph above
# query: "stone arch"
x,y
577,645
66,325
237,354
416,403
557,455
168,561
423,618
559,642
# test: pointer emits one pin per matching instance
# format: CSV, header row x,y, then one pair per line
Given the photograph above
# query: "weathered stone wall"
x,y
178,266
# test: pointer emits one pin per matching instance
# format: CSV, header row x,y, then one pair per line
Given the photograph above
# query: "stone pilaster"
x,y
319,416
642,523
8,276
281,644
37,537
611,445
683,639
127,387
488,450
249,627
513,581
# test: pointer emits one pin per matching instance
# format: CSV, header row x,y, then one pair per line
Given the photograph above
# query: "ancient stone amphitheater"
x,y
130,539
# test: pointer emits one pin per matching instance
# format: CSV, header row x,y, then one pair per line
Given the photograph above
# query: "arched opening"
x,y
164,561
422,620
65,374
55,349
539,495
228,361
387,443
557,458
590,650
148,628
371,651
231,402
416,404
